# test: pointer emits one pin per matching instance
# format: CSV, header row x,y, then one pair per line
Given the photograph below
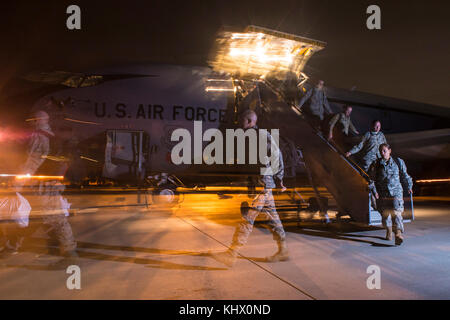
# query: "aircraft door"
x,y
126,154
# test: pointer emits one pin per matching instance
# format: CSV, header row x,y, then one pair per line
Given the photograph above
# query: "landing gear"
x,y
165,195
165,190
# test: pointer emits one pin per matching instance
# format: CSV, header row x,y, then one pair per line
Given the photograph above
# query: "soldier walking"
x,y
369,145
344,124
317,104
389,174
263,203
44,159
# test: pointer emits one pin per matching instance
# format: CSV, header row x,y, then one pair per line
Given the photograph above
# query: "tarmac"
x,y
133,251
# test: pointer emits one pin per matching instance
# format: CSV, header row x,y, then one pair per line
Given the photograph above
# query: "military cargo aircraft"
x,y
117,123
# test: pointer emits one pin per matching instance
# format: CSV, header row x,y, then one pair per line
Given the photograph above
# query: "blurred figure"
x,y
369,145
263,203
343,123
14,216
10,239
388,174
45,158
317,104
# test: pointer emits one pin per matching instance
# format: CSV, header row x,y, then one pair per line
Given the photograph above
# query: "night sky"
x,y
408,58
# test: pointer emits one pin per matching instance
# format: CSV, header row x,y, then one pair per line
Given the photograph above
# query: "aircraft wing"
x,y
357,98
422,145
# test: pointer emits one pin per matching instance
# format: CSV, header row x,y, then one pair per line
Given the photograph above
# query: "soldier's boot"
x,y
6,253
228,257
282,254
388,233
398,237
9,250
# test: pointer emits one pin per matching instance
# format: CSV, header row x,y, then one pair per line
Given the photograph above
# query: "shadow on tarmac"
x,y
150,263
338,231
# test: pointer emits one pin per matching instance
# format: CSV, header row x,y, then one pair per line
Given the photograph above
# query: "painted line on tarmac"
x,y
261,267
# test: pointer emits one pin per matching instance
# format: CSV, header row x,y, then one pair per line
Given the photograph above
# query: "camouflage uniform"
x,y
343,122
388,177
263,203
53,206
318,103
369,145
38,149
55,209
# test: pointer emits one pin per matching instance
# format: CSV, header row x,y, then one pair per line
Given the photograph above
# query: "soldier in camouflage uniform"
x,y
388,175
263,203
53,206
344,124
369,145
317,104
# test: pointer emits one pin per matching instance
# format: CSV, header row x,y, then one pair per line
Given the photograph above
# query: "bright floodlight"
x,y
258,51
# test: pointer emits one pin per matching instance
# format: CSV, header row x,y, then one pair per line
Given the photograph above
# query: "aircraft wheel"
x,y
165,195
